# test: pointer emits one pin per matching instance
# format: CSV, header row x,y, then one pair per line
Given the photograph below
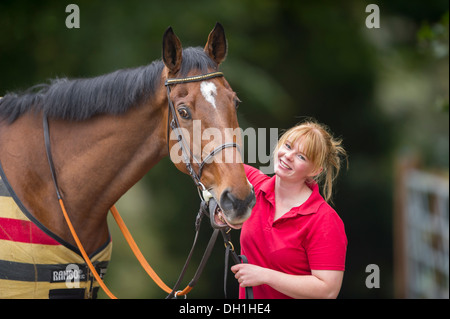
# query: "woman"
x,y
294,241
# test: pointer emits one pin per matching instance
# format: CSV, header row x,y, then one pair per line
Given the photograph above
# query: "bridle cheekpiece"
x,y
176,127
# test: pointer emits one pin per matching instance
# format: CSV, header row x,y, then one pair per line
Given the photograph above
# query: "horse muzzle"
x,y
231,212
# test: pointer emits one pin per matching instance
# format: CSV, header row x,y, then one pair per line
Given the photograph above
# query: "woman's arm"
x,y
320,284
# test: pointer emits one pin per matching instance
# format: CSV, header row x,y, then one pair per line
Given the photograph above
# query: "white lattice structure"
x,y
426,235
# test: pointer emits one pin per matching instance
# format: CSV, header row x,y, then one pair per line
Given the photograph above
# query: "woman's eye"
x,y
287,146
184,113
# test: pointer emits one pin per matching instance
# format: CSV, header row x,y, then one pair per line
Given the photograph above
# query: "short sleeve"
x,y
326,242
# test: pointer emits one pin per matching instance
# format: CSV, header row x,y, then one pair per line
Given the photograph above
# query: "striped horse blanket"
x,y
36,263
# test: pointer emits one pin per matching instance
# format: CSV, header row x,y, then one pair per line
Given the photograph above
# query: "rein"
x,y
208,207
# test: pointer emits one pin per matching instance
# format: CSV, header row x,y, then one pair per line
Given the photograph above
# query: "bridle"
x,y
176,127
208,206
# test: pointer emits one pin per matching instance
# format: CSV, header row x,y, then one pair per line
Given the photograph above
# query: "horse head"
x,y
203,136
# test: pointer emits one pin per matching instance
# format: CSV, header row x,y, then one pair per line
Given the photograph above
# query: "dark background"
x,y
384,91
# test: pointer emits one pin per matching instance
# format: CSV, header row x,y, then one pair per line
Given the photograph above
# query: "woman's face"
x,y
292,164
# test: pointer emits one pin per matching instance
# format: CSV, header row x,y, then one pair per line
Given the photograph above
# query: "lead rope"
x,y
130,240
174,293
116,216
229,249
196,177
66,216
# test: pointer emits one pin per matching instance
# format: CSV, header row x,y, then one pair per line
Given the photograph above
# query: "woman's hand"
x,y
250,275
320,284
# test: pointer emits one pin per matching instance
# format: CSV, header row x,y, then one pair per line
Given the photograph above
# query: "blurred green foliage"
x,y
383,91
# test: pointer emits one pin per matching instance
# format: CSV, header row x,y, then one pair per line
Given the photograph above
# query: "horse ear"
x,y
216,46
172,51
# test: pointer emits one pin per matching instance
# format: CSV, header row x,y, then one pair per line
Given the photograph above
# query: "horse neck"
x,y
107,155
96,162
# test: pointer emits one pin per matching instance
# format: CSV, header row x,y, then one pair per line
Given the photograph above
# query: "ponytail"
x,y
331,165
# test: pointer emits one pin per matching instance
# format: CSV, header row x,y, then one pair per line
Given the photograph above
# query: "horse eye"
x,y
184,113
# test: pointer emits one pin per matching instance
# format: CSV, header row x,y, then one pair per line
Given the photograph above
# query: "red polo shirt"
x,y
310,236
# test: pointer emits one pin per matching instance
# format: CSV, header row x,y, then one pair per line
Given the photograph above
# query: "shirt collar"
x,y
310,206
268,188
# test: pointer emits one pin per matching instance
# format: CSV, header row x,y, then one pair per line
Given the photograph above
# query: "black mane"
x,y
113,93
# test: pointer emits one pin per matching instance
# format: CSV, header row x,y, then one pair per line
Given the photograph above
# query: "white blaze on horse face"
x,y
209,91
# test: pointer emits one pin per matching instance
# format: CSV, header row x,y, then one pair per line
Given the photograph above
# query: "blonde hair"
x,y
321,148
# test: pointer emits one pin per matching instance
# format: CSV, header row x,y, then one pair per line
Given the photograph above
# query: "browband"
x,y
194,78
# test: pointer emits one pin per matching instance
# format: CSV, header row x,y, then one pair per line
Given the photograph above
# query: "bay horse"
x,y
106,133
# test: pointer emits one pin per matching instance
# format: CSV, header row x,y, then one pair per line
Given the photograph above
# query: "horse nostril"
x,y
229,202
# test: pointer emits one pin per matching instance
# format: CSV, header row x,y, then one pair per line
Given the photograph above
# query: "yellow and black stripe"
x,y
35,263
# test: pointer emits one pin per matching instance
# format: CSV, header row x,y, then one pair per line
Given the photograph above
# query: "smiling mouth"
x,y
284,165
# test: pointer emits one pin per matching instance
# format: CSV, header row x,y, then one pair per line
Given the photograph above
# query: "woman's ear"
x,y
316,172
